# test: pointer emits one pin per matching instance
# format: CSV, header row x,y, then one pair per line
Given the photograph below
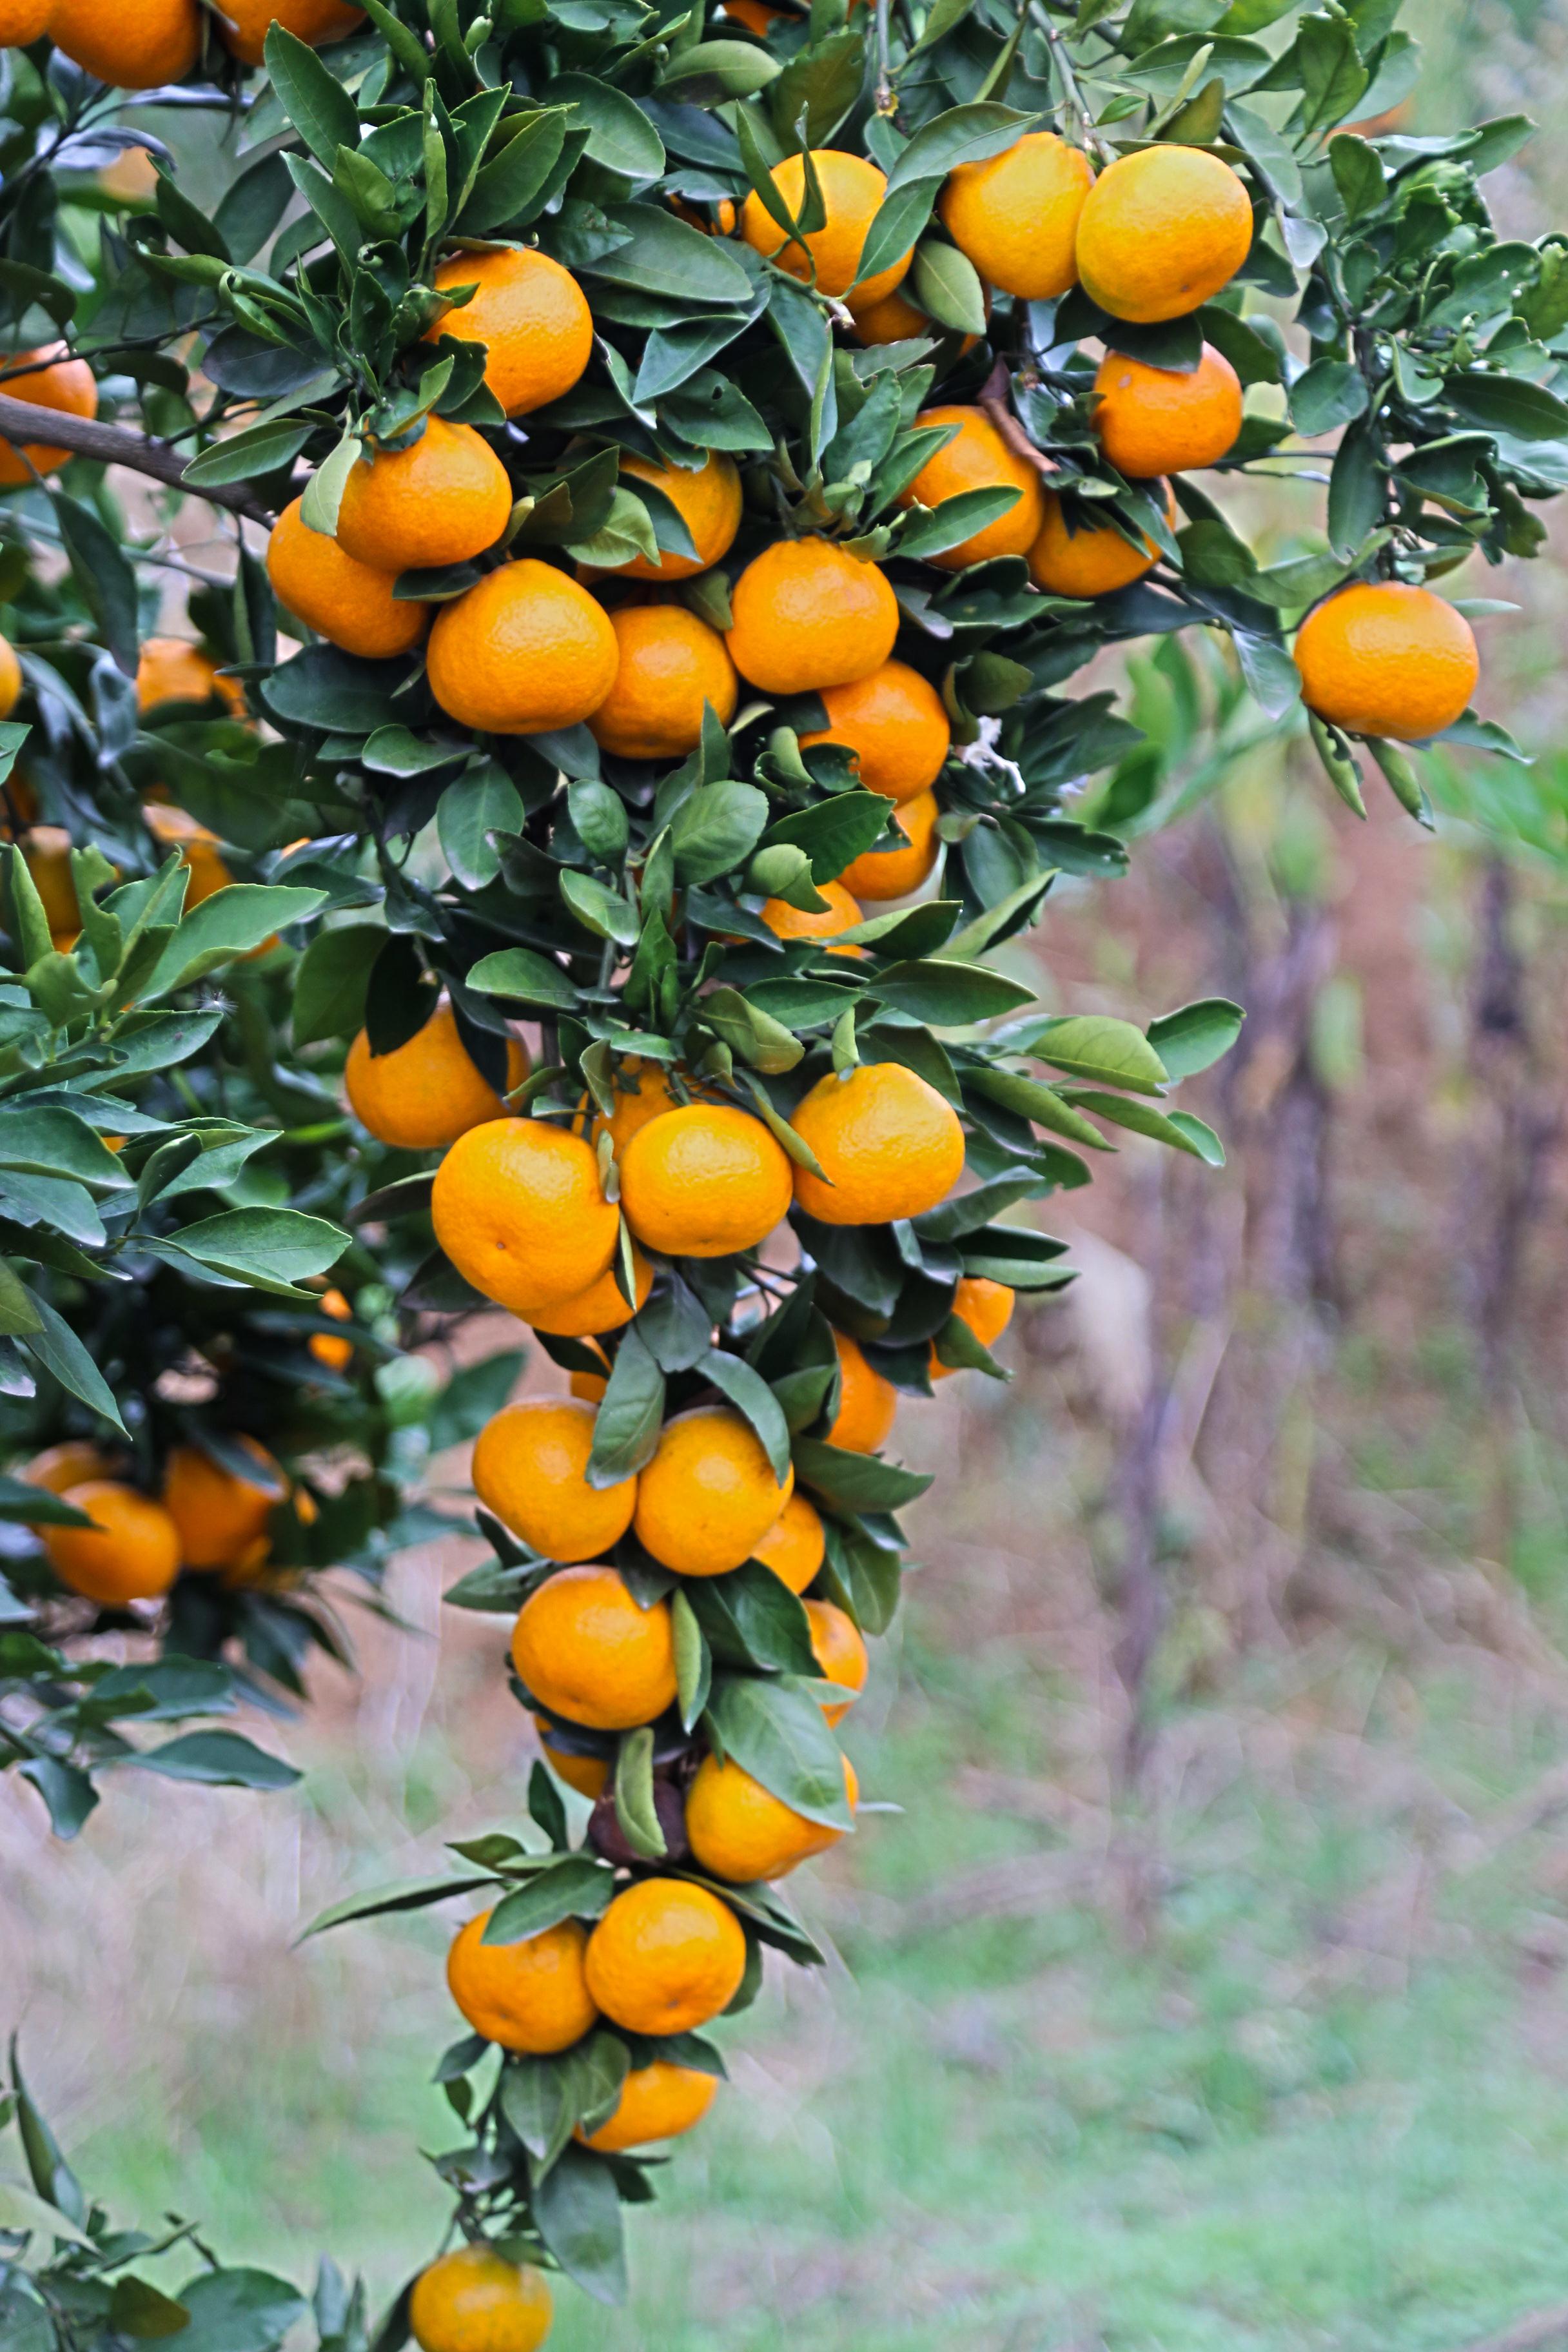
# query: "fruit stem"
x,y
1073,103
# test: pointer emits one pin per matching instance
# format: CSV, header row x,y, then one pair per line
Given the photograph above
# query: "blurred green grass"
x,y
1322,2105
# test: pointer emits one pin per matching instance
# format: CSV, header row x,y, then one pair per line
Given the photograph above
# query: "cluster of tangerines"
x,y
155,41
530,648
207,1516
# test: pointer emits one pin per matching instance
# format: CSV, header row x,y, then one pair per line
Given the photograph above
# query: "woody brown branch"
x,y
24,422
994,405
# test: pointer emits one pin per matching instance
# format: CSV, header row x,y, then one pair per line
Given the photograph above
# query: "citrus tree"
x,y
685,459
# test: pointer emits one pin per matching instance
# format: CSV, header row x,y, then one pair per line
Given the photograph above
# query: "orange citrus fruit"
x,y
1156,421
586,1652
348,603
316,21
1087,559
893,873
169,670
132,48
671,665
807,615
840,914
327,1348
444,499
977,459
1015,214
852,190
587,1313
531,315
11,680
47,854
894,320
986,1306
867,1402
840,1653
22,22
887,1143
474,2300
520,1212
896,724
526,651
1161,232
740,1831
704,1181
709,501
519,1208
131,1553
67,386
642,1092
795,1546
222,1516
1381,658
70,1464
656,2101
532,1996
665,1957
530,1469
709,1494
426,1093
589,1775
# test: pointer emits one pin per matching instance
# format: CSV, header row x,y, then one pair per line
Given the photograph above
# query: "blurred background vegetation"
x,y
1210,1991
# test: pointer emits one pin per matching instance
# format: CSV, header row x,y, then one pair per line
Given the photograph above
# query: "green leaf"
x,y
663,256
330,981
948,993
515,175
57,1349
1355,491
631,1412
760,1042
218,1759
1187,1134
856,1482
1508,404
314,101
710,71
230,923
269,1249
635,1811
751,1618
137,2309
258,449
409,1895
754,1400
833,832
484,802
1326,395
103,573
577,2208
1031,1099
577,1887
964,134
822,82
620,136
524,977
946,285
599,909
693,1660
715,830
1195,1035
931,531
776,1731
238,2310
1094,1046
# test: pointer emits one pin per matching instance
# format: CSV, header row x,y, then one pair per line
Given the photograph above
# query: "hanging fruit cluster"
x,y
695,452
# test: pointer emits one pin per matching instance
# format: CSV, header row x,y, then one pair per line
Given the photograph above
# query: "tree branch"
x,y
22,421
994,403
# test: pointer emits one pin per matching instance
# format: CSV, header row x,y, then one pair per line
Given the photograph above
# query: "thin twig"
x,y
994,402
24,422
1072,97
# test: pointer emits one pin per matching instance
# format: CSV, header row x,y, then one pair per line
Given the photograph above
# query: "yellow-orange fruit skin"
x,y
524,652
880,874
1158,421
1384,659
740,1831
656,2101
665,1957
807,615
474,2300
795,1546
22,22
887,1143
316,21
519,1208
1015,215
532,318
10,679
133,48
708,1493
703,1181
348,603
896,724
599,1308
840,914
672,666
978,459
986,1306
64,386
709,500
852,189
132,1552
426,1093
529,1468
1093,560
839,1649
531,1997
443,499
222,1518
1161,232
867,1402
588,1654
